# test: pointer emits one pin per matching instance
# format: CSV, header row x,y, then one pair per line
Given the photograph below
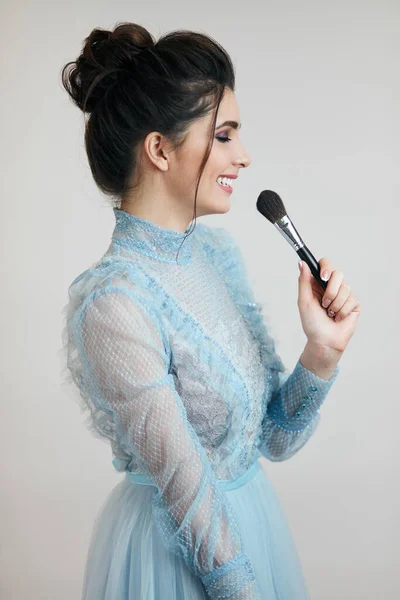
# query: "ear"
x,y
156,147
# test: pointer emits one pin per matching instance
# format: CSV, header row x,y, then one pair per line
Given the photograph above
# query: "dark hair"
x,y
132,85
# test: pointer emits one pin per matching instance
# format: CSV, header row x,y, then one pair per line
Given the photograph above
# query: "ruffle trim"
x,y
224,253
230,460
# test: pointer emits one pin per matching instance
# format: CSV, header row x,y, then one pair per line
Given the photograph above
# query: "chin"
x,y
223,207
213,203
215,209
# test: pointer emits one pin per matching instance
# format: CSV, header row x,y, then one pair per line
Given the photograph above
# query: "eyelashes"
x,y
223,140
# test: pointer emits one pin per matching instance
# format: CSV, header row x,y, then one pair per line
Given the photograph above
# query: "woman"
x,y
168,346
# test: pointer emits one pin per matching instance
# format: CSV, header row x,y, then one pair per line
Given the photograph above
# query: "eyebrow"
x,y
233,124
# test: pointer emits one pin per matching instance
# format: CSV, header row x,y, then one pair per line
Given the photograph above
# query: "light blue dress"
x,y
176,369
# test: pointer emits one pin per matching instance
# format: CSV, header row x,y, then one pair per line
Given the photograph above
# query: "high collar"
x,y
150,239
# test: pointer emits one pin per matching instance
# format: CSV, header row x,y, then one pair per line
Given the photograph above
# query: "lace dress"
x,y
176,370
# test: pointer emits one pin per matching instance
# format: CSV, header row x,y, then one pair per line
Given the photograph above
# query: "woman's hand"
x,y
324,330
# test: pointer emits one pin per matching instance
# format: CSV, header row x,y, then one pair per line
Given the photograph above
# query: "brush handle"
x,y
307,256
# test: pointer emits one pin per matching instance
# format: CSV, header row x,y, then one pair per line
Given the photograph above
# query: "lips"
x,y
226,188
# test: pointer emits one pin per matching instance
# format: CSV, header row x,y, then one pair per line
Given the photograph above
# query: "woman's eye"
x,y
223,139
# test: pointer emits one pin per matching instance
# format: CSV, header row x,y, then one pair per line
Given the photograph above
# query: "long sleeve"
x,y
293,411
291,401
126,357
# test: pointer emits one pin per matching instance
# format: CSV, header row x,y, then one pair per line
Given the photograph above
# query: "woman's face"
x,y
227,157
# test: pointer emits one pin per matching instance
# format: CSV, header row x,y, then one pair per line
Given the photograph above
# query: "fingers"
x,y
337,297
332,290
342,296
352,304
326,268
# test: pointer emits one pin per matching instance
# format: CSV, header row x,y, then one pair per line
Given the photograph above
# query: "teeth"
x,y
224,180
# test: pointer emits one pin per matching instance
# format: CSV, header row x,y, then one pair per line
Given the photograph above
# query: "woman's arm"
x,y
291,401
326,341
293,410
320,360
126,372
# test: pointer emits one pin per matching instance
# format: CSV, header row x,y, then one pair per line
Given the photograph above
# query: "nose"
x,y
243,160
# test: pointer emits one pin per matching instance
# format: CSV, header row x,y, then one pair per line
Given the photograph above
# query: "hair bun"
x,y
104,55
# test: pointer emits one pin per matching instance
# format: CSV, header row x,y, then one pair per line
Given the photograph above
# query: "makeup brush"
x,y
270,205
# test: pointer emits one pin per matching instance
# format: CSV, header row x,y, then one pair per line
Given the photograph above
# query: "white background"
x,y
318,87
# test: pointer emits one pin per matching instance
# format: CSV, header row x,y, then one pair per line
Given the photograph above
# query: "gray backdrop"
x,y
318,86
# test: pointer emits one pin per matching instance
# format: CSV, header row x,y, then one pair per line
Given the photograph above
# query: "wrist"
x,y
320,360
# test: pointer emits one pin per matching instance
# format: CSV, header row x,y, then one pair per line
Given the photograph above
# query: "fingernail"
x,y
331,313
300,263
326,302
325,275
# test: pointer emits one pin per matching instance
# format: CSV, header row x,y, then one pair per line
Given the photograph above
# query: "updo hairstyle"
x,y
130,85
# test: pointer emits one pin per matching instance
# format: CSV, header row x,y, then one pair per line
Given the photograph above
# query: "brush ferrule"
x,y
289,232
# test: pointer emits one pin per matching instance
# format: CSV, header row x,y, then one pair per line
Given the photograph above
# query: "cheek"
x,y
188,171
216,165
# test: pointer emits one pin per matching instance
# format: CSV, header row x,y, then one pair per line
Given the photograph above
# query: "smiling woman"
x,y
226,180
165,342
137,150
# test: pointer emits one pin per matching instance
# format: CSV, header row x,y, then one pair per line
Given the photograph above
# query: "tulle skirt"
x,y
127,560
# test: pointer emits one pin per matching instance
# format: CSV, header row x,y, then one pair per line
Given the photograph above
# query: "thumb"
x,y
305,289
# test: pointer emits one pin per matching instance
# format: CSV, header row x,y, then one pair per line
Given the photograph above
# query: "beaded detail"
x,y
174,365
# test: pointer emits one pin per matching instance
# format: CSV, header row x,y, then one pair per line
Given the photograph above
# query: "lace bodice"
x,y
175,367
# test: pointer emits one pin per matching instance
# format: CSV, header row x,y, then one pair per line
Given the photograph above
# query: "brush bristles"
x,y
271,206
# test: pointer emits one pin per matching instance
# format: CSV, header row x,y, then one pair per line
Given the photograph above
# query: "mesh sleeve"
x,y
291,401
293,411
127,363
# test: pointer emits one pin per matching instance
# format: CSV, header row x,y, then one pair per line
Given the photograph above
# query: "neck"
x,y
150,239
160,208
